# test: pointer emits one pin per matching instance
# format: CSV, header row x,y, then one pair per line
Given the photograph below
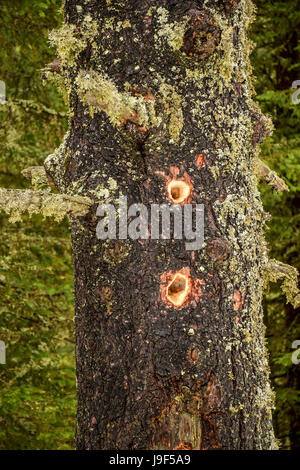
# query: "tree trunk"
x,y
169,341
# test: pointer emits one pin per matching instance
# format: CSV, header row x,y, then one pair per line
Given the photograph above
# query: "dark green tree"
x,y
267,34
37,384
276,61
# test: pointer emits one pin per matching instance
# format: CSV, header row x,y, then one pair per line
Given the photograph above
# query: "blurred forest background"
x,y
37,385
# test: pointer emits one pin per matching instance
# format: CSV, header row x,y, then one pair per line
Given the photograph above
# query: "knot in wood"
x,y
218,249
202,36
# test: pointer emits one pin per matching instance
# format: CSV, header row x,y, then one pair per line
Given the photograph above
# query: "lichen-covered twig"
x,y
99,92
277,271
37,176
54,67
271,177
15,202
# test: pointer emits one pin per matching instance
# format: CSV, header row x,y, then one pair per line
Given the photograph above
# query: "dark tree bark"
x,y
160,92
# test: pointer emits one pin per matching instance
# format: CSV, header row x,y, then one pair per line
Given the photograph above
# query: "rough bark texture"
x,y
159,91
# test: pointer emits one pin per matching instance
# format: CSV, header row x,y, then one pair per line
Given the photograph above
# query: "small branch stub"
x,y
37,176
271,177
277,271
218,249
53,67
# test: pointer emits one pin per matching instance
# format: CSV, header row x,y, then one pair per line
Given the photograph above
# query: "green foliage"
x,y
37,385
31,121
276,61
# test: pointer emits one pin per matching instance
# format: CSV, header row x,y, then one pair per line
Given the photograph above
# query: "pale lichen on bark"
x,y
70,41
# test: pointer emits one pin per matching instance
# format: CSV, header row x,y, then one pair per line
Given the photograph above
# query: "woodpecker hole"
x,y
179,191
178,289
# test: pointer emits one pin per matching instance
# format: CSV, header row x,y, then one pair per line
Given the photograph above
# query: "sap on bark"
x,y
238,300
193,355
202,36
200,160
